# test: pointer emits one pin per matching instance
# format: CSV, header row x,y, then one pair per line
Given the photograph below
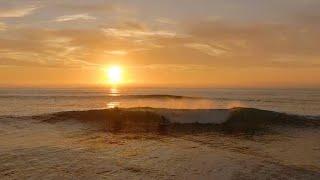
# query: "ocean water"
x,y
192,128
20,102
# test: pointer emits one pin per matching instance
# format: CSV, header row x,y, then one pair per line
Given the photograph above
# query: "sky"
x,y
182,43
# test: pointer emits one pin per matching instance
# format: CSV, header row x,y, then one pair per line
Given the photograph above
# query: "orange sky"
x,y
159,43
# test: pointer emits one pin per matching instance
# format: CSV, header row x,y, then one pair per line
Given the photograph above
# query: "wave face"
x,y
161,120
185,116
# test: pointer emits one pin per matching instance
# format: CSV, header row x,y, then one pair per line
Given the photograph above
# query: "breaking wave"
x,y
163,120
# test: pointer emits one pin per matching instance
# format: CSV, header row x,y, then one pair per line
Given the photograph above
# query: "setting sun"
x,y
114,74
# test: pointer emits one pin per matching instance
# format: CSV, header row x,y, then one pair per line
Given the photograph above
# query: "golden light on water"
x,y
114,92
114,74
111,105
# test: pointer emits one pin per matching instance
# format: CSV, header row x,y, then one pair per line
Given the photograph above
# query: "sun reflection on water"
x,y
111,105
114,92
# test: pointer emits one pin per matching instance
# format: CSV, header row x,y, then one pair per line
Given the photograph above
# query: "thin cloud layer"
x,y
3,26
74,17
207,49
200,35
17,12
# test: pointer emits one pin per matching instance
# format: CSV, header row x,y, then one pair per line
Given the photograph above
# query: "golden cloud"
x,y
17,12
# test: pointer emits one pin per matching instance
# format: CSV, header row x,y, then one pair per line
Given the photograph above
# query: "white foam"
x,y
203,116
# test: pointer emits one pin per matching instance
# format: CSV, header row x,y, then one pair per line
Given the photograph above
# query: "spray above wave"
x,y
168,103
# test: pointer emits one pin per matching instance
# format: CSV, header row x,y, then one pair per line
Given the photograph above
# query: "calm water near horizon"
x,y
18,102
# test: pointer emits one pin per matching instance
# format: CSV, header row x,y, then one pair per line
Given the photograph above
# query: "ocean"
x,y
20,102
159,133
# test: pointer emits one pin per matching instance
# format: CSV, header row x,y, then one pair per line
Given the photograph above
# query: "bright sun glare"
x,y
114,74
